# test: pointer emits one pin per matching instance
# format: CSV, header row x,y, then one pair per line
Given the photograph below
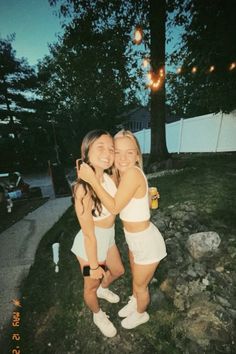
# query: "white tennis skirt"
x,y
105,239
147,246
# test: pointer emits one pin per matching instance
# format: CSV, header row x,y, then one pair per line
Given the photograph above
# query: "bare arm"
x,y
84,214
129,183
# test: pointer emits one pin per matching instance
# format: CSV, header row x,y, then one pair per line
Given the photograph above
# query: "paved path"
x,y
42,180
18,245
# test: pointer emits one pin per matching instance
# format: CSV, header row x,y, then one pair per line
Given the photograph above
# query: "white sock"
x,y
99,313
101,288
138,314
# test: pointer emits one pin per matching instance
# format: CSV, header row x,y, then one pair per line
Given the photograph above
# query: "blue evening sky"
x,y
34,23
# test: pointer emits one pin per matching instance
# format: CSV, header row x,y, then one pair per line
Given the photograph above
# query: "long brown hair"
x,y
88,140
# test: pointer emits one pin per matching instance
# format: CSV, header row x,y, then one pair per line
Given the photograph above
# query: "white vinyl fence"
x,y
208,133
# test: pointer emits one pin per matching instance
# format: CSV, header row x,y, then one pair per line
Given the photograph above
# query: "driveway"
x,y
18,245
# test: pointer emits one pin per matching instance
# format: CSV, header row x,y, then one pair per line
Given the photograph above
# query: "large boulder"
x,y
201,243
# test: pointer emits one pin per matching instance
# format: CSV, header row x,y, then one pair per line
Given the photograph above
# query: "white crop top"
x,y
110,187
138,208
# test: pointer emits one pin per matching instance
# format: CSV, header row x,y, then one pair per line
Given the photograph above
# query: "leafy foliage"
x,y
16,79
86,78
208,41
21,129
114,72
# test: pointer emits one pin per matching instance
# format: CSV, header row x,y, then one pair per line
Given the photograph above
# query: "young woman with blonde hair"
x,y
94,245
146,244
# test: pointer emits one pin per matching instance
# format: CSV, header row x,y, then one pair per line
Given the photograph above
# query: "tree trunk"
x,y
158,112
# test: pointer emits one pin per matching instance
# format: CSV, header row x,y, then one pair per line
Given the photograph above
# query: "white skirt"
x,y
105,239
147,246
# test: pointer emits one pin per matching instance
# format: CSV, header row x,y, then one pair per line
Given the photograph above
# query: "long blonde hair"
x,y
128,134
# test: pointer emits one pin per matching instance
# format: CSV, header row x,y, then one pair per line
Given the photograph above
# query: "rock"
x,y
220,269
223,301
158,299
205,281
194,280
191,273
160,222
201,243
200,269
178,215
203,324
167,287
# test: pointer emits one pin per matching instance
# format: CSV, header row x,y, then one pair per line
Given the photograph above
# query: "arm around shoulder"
x,y
128,185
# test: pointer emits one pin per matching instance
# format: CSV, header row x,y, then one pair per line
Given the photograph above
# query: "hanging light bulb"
x,y
232,66
194,70
145,62
161,73
138,35
179,70
149,75
156,85
211,69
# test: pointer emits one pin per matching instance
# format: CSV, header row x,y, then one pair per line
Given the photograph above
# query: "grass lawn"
x,y
53,316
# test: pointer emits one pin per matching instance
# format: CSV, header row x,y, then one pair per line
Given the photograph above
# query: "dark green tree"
x,y
21,125
85,78
208,43
118,19
17,79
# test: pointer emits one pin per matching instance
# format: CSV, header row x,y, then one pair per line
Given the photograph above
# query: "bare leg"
x,y
142,275
131,262
90,290
90,294
115,266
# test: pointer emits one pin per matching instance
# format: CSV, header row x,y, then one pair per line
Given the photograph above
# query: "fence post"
x,y
144,141
180,134
219,130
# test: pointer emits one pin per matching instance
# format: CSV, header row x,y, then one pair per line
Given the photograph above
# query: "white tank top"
x,y
109,185
138,208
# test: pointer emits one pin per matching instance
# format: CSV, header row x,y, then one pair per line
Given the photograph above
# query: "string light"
x,y
155,79
138,35
149,75
212,68
145,62
161,72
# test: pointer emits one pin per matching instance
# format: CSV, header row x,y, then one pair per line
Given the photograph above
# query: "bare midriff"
x,y
105,223
136,226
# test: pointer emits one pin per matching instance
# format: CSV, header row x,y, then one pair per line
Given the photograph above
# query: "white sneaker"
x,y
104,293
134,320
104,324
129,308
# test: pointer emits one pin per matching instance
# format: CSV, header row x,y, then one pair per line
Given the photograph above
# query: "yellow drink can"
x,y
154,197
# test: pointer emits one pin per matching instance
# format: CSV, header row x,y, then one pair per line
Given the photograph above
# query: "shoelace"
x,y
106,319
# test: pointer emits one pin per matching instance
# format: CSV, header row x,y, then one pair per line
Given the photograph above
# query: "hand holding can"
x,y
154,197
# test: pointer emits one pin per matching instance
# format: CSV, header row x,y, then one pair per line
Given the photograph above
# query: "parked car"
x,y
13,187
6,203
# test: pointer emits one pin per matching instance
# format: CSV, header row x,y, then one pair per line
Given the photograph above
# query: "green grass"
x,y
207,180
53,316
